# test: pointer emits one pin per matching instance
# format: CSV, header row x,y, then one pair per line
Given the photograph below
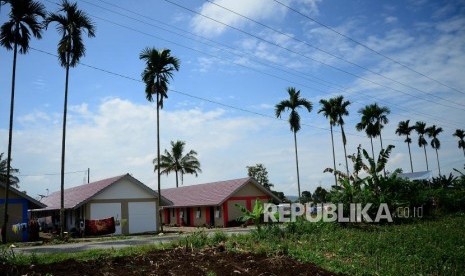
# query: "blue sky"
x,y
247,66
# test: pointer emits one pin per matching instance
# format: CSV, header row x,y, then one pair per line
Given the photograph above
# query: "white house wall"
x,y
126,201
123,189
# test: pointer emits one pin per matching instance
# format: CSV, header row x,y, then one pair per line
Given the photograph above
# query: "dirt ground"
x,y
212,261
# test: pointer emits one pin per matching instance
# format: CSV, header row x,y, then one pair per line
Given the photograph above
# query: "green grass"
x,y
425,247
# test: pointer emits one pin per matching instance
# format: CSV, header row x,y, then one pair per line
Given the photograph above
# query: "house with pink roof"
x,y
213,204
132,204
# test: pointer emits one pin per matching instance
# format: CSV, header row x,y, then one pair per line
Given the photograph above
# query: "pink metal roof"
x,y
209,194
77,195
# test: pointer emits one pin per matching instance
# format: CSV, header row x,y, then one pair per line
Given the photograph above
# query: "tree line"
x,y
373,118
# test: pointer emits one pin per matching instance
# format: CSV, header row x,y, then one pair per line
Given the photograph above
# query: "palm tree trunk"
x,y
158,160
437,157
410,154
372,149
381,141
344,142
63,151
297,164
10,140
334,154
177,185
426,157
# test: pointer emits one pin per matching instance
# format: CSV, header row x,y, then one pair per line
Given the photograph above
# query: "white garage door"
x,y
106,210
142,217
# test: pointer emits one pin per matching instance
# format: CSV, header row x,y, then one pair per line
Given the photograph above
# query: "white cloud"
x,y
390,19
256,9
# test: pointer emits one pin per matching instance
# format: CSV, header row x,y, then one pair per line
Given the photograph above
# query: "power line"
x,y
201,98
50,174
368,48
331,54
209,100
305,56
221,59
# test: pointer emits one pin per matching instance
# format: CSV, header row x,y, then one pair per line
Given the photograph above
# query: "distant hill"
x,y
292,198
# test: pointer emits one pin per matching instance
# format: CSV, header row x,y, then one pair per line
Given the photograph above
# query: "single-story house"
x,y
18,205
213,203
423,175
132,204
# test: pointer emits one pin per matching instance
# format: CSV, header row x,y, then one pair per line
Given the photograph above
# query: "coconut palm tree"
x,y
367,123
433,132
421,129
293,104
329,111
380,116
71,23
373,120
341,111
14,180
403,129
460,133
24,21
159,69
175,161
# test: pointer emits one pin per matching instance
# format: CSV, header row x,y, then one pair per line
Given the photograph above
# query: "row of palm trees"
x,y
29,17
404,129
373,118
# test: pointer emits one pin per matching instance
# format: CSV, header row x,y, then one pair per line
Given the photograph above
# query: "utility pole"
x,y
88,175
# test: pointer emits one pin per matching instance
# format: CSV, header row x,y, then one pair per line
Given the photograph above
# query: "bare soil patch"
x,y
177,261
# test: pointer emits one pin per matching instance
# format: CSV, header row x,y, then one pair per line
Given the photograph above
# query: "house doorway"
x,y
212,216
188,217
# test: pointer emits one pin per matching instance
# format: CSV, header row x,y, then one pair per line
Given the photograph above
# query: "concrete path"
x,y
120,243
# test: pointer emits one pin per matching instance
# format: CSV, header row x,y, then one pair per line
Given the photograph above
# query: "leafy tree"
x,y
260,173
433,133
175,161
280,195
422,130
71,24
460,133
403,129
319,195
14,180
293,104
160,66
306,197
24,20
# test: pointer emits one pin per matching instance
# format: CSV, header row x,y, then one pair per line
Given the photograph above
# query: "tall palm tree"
x,y
329,111
374,117
380,116
24,20
175,161
433,132
71,24
293,104
460,133
421,129
159,69
367,123
403,129
341,111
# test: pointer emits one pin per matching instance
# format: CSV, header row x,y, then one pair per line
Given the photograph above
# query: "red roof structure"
x,y
209,194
